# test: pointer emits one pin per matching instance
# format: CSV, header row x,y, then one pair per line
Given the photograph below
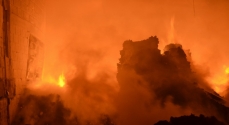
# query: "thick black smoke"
x,y
191,120
167,76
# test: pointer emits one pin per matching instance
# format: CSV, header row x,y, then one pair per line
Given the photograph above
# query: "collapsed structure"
x,y
168,75
191,120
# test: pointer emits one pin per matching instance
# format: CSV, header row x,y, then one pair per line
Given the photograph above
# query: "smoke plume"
x,y
166,78
150,87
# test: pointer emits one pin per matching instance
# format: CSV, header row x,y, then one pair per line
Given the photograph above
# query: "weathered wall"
x,y
3,89
27,19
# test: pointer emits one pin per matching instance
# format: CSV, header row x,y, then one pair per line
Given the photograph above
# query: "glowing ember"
x,y
61,80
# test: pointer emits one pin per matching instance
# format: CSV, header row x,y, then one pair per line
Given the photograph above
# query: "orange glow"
x,y
61,80
220,79
172,32
57,81
76,33
227,70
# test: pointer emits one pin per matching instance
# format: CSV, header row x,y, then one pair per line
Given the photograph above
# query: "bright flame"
x,y
61,80
227,70
220,80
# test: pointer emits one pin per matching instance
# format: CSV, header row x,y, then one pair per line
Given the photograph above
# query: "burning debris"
x,y
153,86
49,110
191,120
167,76
42,110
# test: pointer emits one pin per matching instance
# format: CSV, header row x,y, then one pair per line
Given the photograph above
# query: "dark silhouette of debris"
x,y
42,110
168,75
191,120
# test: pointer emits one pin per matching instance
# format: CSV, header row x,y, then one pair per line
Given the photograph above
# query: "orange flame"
x,y
61,80
227,70
220,80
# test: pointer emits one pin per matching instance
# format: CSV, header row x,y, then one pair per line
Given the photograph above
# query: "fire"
x,y
227,70
61,80
220,80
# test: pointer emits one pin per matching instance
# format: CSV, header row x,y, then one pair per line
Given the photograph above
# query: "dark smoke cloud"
x,y
42,110
167,76
227,96
191,120
85,99
50,110
151,87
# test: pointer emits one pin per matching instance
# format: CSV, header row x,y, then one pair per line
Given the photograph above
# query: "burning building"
x,y
168,77
149,84
21,47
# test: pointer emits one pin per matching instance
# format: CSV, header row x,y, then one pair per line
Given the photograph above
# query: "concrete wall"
x,y
3,97
22,25
27,19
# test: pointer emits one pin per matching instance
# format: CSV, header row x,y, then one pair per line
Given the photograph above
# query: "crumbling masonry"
x,y
21,47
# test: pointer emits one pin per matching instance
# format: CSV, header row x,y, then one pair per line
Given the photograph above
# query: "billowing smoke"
x,y
167,77
150,87
84,99
42,110
83,39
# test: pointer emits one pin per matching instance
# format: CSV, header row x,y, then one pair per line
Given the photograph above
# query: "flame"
x,y
61,80
227,70
220,80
